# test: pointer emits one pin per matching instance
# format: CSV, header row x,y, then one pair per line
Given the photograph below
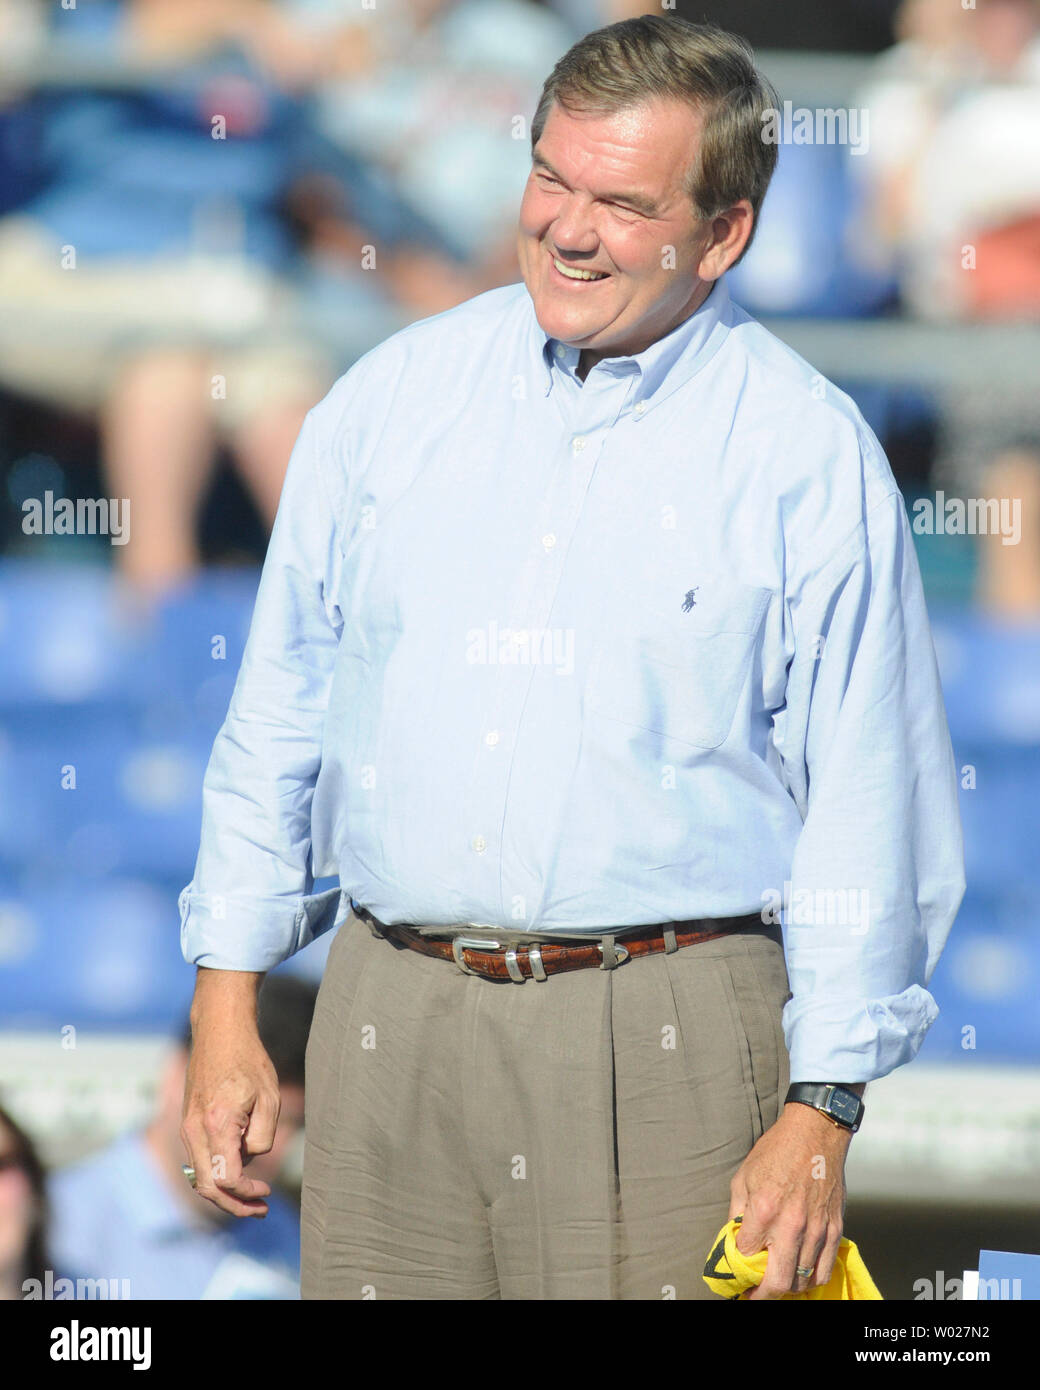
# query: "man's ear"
x,y
729,232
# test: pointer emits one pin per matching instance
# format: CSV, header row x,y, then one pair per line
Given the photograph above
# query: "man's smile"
x,y
576,275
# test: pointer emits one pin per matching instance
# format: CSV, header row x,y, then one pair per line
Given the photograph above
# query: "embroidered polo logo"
x,y
689,600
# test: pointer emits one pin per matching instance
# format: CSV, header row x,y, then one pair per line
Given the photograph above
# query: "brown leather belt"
x,y
528,959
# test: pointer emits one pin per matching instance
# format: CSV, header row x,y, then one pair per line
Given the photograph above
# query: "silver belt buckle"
x,y
458,944
480,943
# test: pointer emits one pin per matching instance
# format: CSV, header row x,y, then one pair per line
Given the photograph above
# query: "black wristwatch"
x,y
843,1106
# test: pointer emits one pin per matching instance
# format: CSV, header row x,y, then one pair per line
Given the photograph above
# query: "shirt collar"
x,y
663,366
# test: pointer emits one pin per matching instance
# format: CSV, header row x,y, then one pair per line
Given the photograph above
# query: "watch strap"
x,y
821,1096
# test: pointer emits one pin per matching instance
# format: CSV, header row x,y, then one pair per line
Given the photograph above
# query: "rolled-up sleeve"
x,y
878,871
250,904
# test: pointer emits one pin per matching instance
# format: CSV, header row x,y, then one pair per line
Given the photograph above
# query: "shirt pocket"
x,y
679,671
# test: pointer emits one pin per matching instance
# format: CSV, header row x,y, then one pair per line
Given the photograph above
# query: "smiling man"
x,y
607,194
590,630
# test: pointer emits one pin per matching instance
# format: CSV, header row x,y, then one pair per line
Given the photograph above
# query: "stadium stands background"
x,y
129,695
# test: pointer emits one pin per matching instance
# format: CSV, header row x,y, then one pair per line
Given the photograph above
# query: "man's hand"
x,y
231,1098
790,1191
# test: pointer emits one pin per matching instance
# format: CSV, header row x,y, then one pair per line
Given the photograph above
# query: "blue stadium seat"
x,y
987,982
991,679
800,262
96,955
102,791
68,638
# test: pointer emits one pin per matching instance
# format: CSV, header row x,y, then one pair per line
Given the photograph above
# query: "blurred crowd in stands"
x,y
952,206
210,208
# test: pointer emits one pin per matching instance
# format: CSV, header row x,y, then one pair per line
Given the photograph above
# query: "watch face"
x,y
844,1106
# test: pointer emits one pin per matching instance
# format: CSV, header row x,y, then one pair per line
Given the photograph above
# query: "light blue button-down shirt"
x,y
568,656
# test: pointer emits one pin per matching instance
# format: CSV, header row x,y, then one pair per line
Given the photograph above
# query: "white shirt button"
x,y
640,407
491,738
561,351
578,443
479,843
549,541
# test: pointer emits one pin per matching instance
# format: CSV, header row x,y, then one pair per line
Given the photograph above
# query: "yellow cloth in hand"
x,y
733,1275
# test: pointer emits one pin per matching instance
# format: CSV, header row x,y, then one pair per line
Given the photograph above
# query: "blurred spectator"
x,y
953,134
151,277
954,185
442,102
128,1213
23,1211
148,273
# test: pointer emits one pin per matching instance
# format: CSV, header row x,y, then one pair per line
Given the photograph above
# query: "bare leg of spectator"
x,y
262,448
1009,575
157,450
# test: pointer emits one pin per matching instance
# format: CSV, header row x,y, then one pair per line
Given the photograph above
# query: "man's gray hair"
x,y
626,64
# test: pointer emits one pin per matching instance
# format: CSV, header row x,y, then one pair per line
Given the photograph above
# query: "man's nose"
x,y
574,231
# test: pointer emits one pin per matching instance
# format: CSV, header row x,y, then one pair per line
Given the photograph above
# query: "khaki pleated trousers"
x,y
569,1139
